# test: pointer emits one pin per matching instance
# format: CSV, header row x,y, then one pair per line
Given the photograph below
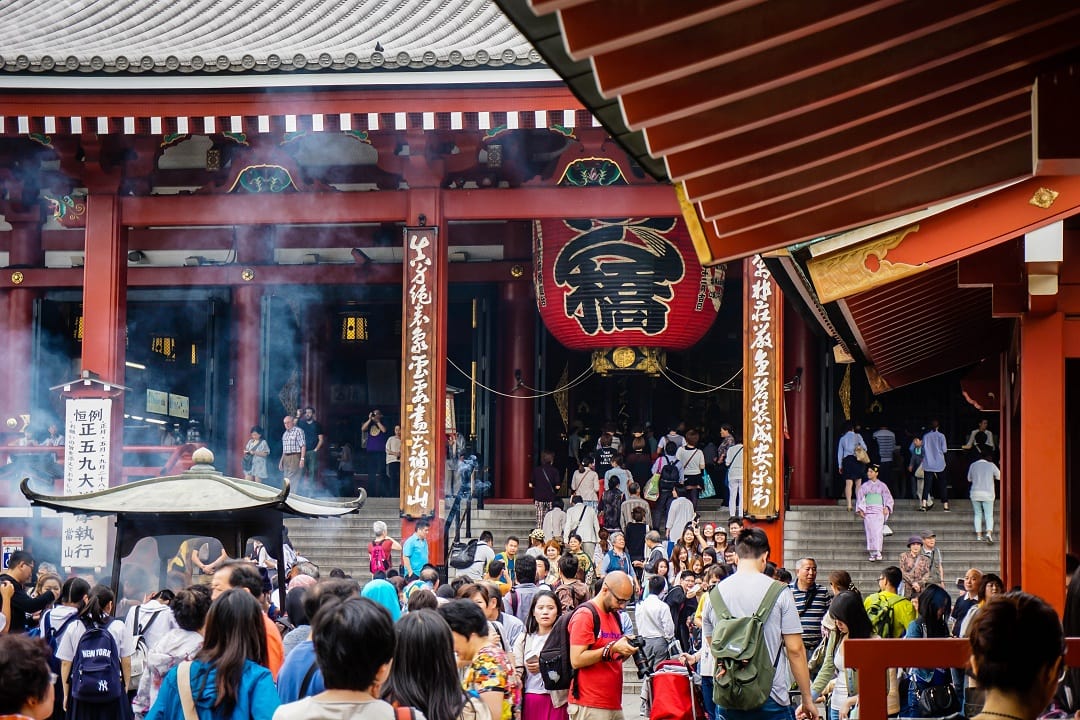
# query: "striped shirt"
x,y
811,614
886,443
292,440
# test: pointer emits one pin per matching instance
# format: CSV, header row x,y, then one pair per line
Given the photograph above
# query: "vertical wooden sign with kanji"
x,y
763,392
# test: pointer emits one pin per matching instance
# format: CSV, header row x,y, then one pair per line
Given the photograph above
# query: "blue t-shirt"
x,y
292,673
416,549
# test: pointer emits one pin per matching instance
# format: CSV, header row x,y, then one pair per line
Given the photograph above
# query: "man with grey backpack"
x,y
756,638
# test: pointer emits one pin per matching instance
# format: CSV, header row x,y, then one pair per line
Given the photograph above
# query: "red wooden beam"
x,y
265,275
866,51
555,96
867,100
390,206
534,203
602,26
935,146
904,132
667,55
958,158
995,167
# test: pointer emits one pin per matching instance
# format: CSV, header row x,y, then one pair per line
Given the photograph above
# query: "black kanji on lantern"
x,y
620,273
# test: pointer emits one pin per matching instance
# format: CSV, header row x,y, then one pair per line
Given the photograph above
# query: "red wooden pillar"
x,y
26,251
105,307
1010,478
246,372
424,208
514,416
802,359
1042,457
516,419
254,246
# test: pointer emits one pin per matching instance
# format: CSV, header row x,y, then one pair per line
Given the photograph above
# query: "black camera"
x,y
643,669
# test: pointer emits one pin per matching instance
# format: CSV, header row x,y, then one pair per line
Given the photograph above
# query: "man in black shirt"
x,y
20,571
313,442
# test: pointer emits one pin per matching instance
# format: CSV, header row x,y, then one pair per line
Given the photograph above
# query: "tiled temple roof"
x,y
250,36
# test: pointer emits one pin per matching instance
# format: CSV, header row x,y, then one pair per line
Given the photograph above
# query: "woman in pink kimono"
x,y
874,505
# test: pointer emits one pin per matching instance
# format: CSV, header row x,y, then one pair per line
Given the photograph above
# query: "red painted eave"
x,y
925,325
792,121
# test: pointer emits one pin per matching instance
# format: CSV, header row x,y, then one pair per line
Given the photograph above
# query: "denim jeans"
x,y
706,696
771,710
984,512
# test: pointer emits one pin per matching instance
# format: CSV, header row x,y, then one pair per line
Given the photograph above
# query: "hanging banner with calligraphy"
x,y
421,397
624,282
84,540
763,392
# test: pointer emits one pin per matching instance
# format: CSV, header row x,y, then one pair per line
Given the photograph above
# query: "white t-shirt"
x,y
692,461
743,593
311,708
679,514
56,616
393,449
484,555
734,461
65,649
982,475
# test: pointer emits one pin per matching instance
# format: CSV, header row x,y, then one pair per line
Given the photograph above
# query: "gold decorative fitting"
x,y
247,274
860,268
623,357
517,271
646,360
1043,198
17,278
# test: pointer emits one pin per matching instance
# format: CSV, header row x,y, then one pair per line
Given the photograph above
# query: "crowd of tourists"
x,y
521,639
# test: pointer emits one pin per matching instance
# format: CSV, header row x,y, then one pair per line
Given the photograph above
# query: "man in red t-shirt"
x,y
598,657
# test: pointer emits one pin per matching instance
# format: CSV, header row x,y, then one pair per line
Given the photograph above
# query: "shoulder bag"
x,y
183,684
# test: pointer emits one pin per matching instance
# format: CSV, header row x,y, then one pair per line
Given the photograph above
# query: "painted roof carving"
x,y
244,36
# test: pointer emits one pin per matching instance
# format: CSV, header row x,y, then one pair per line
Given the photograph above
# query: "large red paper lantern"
x,y
626,282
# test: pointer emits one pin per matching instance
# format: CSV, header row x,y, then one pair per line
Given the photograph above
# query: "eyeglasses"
x,y
620,600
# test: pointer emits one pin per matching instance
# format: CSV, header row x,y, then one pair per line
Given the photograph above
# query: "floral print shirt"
x,y
492,671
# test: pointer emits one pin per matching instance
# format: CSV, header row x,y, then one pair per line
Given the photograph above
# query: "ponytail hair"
x,y
97,607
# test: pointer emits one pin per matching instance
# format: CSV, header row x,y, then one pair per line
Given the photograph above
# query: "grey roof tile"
x,y
185,36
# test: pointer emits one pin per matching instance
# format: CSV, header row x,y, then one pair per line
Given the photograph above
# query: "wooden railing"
x,y
872,658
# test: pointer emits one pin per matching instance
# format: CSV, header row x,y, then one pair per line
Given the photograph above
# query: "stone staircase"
x,y
342,542
835,538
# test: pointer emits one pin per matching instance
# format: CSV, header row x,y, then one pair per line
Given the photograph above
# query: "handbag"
x,y
709,489
886,531
937,700
861,455
652,488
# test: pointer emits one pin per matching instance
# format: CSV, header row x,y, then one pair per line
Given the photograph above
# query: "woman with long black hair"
x,y
228,680
95,613
850,621
932,622
424,674
539,703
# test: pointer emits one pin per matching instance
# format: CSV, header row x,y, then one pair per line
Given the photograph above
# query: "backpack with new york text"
x,y
883,616
555,669
669,476
95,671
744,667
